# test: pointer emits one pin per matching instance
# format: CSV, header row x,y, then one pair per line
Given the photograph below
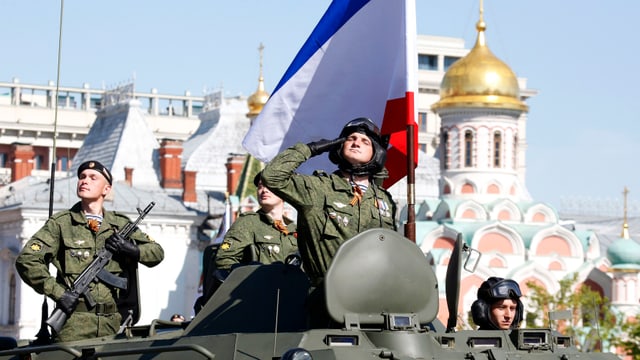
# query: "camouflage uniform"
x,y
325,217
67,242
256,228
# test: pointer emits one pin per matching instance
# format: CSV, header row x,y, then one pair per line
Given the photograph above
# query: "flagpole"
x,y
410,225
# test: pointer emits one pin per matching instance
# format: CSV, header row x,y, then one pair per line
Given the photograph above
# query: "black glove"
x,y
120,246
68,302
323,145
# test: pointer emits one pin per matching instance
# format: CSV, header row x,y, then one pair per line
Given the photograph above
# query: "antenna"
x,y
43,336
275,331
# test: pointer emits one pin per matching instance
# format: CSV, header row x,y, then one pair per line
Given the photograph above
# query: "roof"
x,y
121,138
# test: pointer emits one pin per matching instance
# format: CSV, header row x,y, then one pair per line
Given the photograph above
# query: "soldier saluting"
x,y
332,208
69,240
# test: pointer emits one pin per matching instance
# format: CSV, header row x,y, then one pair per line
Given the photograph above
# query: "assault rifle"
x,y
94,272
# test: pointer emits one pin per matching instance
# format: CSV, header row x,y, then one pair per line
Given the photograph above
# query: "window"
x,y
445,153
63,163
3,160
497,140
468,148
95,102
422,122
427,62
37,162
449,60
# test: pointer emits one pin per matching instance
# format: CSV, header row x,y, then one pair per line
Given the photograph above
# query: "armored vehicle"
x,y
381,295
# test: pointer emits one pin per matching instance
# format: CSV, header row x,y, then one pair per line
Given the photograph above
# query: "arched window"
x,y
468,148
445,152
497,149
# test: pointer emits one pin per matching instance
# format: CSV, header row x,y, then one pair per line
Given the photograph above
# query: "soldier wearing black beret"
x,y
70,240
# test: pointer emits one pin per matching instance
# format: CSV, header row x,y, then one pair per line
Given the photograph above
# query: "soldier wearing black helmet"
x,y
498,306
333,208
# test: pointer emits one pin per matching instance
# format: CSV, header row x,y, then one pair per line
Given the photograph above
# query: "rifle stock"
x,y
92,273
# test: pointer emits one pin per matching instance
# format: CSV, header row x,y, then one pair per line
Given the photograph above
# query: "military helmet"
x,y
379,143
257,178
491,291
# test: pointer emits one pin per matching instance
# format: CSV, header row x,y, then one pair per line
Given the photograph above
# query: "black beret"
x,y
94,165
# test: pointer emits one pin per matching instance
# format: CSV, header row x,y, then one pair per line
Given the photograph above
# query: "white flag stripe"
x,y
363,65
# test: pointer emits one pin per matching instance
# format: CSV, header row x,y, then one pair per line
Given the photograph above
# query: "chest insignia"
x,y
383,207
343,220
225,245
79,242
268,237
339,205
273,249
381,204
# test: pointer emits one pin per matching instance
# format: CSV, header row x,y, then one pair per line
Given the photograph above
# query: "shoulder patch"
x,y
35,246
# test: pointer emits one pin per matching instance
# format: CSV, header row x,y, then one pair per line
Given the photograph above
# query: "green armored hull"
x,y
381,299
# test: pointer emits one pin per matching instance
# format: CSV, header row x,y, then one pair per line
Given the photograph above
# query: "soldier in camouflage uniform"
x,y
333,208
69,240
265,236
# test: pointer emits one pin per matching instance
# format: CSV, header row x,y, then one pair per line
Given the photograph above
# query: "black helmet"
x,y
364,126
492,290
257,178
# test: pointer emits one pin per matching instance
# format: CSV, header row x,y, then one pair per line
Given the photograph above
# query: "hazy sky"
x,y
581,56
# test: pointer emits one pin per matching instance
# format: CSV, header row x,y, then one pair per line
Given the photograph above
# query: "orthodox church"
x,y
482,196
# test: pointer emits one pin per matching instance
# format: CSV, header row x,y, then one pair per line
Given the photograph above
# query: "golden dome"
x,y
257,100
480,79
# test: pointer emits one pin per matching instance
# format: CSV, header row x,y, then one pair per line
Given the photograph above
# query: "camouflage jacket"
x,y
326,218
256,228
67,242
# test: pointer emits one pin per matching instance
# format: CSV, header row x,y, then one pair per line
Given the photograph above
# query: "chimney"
x,y
234,165
22,164
170,164
128,176
189,192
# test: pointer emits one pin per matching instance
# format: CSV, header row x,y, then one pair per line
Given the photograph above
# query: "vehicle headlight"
x,y
297,354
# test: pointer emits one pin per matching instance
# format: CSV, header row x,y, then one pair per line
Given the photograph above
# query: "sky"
x,y
580,56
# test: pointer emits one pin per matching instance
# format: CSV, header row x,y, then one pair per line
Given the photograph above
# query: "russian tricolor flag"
x,y
359,61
